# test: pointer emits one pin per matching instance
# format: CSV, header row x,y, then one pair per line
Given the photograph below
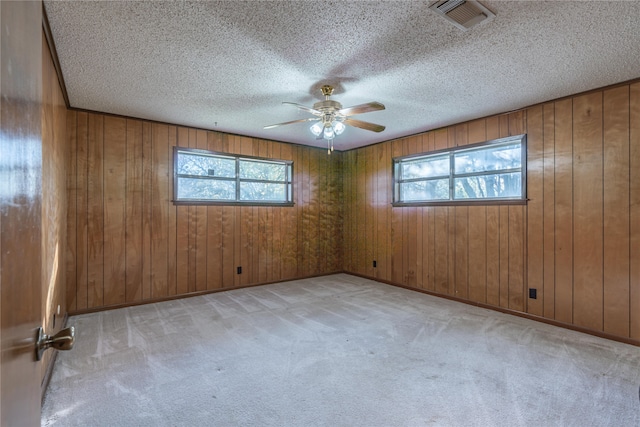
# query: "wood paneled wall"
x,y
54,201
577,241
128,243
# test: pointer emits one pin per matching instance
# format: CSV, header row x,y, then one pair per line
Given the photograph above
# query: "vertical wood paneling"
x,y
397,275
147,177
183,246
410,235
72,254
95,211
548,220
115,166
535,206
634,211
276,241
172,219
369,193
133,214
159,209
563,209
587,211
477,229
616,211
517,232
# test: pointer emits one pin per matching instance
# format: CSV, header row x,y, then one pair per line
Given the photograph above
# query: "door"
x,y
20,210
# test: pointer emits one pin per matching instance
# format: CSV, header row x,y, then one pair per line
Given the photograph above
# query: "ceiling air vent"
x,y
463,14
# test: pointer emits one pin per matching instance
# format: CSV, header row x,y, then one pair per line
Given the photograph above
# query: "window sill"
x,y
463,203
230,203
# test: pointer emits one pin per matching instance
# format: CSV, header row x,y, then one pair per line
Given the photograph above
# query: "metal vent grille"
x,y
462,13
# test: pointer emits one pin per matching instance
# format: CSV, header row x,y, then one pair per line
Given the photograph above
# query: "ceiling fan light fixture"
x,y
328,132
316,128
331,119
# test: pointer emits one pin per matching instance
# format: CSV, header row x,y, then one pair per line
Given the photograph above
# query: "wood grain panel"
x,y
517,245
384,212
159,209
172,219
587,210
72,256
535,209
634,211
549,255
115,167
313,213
147,177
370,208
563,208
95,211
503,230
133,212
616,211
397,275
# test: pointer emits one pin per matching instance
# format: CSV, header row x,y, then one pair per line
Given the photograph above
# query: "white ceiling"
x,y
229,65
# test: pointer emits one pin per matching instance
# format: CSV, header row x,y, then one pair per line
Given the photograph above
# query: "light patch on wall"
x,y
51,288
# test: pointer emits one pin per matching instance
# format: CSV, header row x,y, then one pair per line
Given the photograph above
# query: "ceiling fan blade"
x,y
307,109
362,108
363,125
310,119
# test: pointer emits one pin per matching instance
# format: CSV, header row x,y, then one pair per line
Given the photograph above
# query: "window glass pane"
x,y
425,168
488,159
267,171
437,189
489,186
263,191
206,189
197,164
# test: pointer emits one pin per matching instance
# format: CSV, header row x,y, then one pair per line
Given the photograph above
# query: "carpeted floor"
x,y
336,351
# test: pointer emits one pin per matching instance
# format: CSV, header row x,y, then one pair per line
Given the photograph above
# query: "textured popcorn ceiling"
x,y
228,65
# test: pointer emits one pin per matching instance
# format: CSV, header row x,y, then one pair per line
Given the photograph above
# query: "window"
x,y
206,177
490,171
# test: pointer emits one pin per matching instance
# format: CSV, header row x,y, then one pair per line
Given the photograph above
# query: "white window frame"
x,y
451,176
288,181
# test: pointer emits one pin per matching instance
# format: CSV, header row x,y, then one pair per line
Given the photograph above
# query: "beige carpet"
x,y
336,351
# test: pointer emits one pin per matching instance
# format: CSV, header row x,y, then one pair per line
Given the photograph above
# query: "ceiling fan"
x,y
330,118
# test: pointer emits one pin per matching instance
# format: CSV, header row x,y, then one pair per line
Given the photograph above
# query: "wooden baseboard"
x,y
191,294
509,311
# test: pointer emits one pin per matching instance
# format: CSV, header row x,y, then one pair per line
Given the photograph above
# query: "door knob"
x,y
63,340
